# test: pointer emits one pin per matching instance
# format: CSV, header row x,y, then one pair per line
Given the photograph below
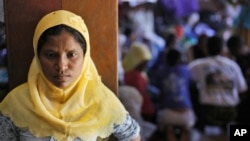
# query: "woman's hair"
x,y
214,45
173,57
170,40
234,43
56,30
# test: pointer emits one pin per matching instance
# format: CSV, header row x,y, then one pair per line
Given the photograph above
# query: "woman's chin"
x,y
61,85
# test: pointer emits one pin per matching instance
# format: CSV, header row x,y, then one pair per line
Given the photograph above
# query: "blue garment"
x,y
173,81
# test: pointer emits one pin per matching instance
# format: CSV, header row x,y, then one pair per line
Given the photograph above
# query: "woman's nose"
x,y
62,64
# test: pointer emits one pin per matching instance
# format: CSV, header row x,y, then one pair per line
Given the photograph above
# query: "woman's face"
x,y
61,59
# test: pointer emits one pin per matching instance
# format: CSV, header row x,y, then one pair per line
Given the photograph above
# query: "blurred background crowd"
x,y
184,65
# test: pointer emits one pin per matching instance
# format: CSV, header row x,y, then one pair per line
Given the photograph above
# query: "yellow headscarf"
x,y
137,53
86,109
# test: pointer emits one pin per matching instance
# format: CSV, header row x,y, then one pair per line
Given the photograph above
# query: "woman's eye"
x,y
72,55
51,55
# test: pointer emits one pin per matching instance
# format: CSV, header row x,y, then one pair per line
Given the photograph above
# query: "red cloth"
x,y
136,79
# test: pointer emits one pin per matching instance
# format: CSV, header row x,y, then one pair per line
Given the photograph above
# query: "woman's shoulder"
x,y
22,88
19,94
8,131
129,129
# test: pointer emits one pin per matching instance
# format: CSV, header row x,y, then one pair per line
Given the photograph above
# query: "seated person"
x,y
175,103
134,64
64,98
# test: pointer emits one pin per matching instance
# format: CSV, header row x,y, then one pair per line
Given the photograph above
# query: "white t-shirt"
x,y
219,80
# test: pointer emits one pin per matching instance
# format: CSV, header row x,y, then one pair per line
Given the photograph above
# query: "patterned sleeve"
x,y
127,130
8,131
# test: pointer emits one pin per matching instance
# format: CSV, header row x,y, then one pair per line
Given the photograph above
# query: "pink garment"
x,y
137,79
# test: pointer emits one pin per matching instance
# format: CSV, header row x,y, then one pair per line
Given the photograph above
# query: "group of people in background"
x,y
189,67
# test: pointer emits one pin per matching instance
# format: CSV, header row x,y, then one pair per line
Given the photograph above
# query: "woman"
x,y
64,98
134,64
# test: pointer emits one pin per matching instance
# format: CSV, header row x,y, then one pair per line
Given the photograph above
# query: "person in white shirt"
x,y
219,82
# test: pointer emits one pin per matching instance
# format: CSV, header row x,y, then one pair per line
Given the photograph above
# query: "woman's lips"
x,y
62,77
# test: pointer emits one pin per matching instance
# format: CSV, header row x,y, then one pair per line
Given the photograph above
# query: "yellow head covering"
x,y
86,109
138,52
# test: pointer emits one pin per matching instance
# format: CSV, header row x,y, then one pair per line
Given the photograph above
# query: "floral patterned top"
x,y
9,132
